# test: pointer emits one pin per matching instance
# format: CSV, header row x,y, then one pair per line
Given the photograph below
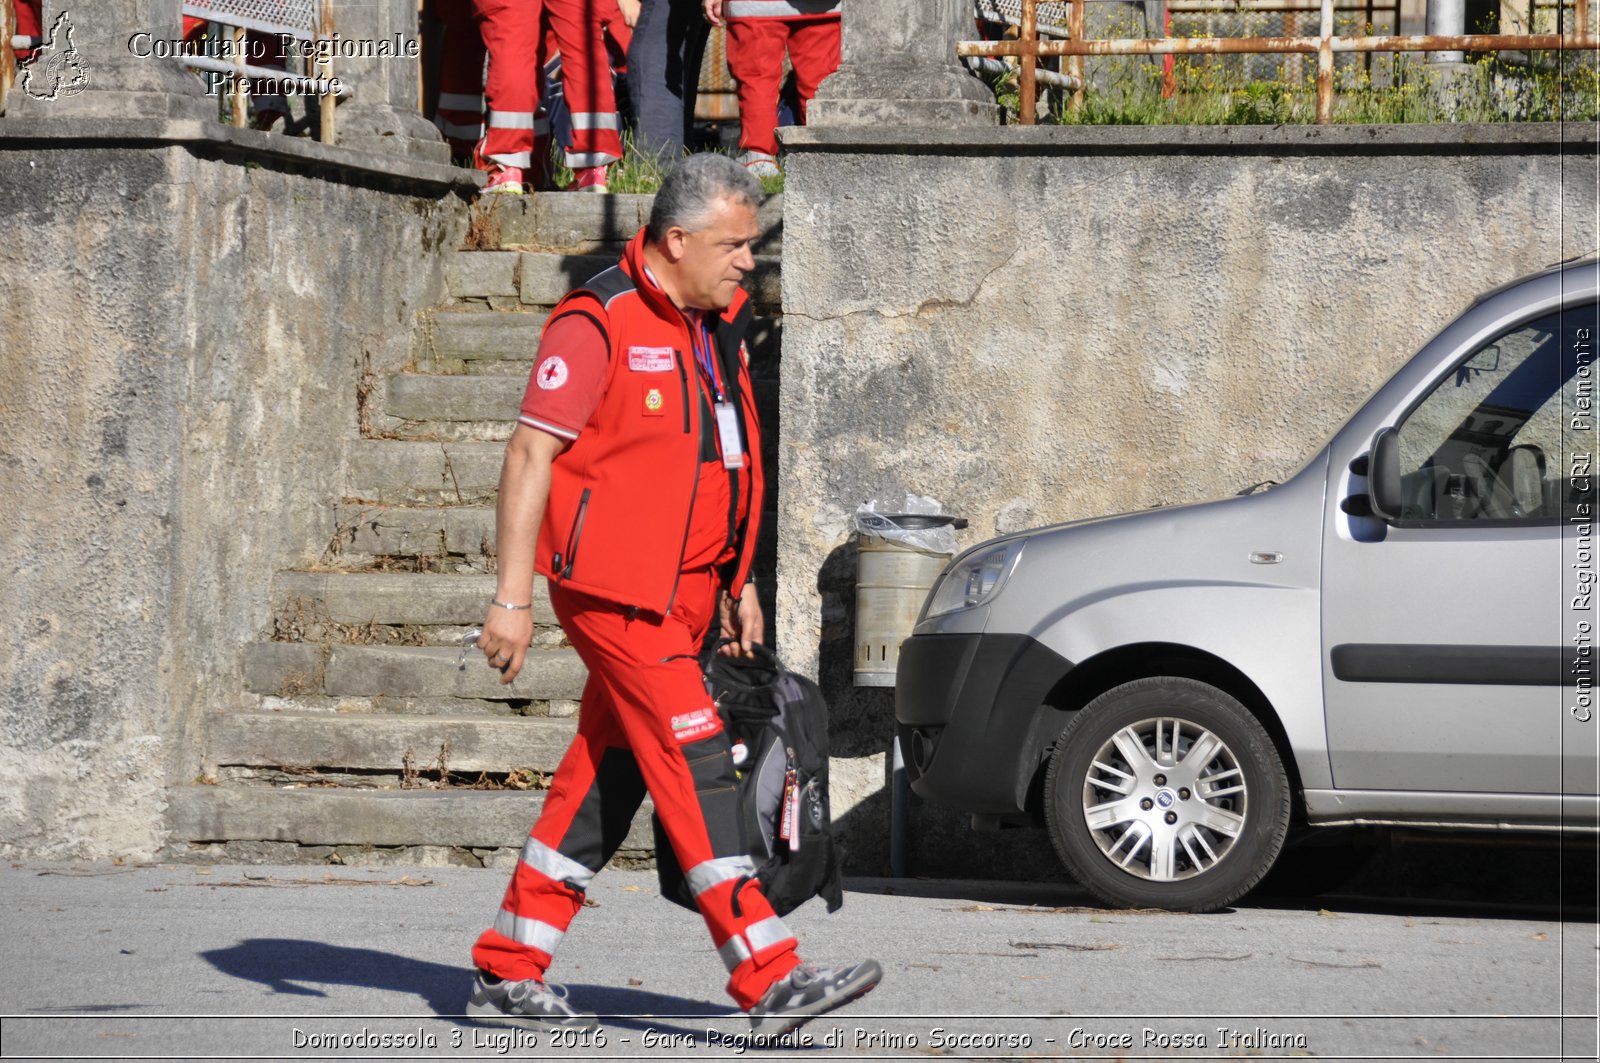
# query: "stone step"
x,y
470,335
308,669
483,819
437,532
394,471
369,742
423,399
590,223
452,397
545,276
395,598
472,338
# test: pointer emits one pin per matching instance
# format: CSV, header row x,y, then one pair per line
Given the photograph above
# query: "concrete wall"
x,y
1036,325
184,316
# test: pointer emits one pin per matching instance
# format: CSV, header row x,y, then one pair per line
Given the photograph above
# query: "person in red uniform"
x,y
511,32
759,32
633,483
459,114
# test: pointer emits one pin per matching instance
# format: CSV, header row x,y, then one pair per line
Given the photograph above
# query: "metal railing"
x,y
1029,48
307,23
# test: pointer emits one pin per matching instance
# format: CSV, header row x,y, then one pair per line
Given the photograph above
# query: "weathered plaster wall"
x,y
1037,325
182,327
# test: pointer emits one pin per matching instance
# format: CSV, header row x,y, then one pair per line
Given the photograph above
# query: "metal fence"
x,y
1041,33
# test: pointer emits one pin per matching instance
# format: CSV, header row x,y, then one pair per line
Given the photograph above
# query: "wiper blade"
x,y
1262,486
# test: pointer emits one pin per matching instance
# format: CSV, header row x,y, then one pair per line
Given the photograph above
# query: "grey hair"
x,y
692,189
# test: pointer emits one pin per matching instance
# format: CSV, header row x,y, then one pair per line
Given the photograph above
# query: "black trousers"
x,y
664,73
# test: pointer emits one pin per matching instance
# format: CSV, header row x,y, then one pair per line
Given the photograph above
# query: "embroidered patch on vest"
x,y
552,373
654,404
650,359
693,726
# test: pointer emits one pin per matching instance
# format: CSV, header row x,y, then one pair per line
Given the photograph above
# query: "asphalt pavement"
x,y
236,962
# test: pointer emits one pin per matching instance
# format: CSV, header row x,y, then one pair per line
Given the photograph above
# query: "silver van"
x,y
1401,634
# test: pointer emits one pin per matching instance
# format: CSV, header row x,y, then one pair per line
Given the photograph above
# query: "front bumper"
x,y
971,719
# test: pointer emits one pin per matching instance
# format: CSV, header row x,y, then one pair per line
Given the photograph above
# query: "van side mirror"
x,y
1383,476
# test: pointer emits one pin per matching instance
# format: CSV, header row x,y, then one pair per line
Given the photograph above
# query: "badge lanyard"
x,y
727,419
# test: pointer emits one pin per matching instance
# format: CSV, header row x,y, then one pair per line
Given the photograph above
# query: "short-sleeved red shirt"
x,y
568,378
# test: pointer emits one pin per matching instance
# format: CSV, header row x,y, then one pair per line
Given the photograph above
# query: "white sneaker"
x,y
760,164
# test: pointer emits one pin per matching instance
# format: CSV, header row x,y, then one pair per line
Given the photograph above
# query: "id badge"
x,y
728,435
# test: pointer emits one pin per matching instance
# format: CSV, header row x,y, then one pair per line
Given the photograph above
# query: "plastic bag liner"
x,y
920,527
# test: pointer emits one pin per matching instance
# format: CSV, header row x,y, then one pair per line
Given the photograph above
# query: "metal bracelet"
x,y
504,605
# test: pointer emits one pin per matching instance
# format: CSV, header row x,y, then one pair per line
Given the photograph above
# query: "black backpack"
x,y
782,721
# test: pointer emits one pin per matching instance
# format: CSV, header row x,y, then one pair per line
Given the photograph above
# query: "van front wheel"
x,y
1166,793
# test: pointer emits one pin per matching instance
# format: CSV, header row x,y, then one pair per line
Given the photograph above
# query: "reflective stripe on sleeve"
x,y
564,433
756,937
595,120
710,873
551,864
529,932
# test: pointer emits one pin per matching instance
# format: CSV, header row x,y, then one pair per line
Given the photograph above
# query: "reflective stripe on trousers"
x,y
529,932
779,8
592,120
757,938
711,873
552,865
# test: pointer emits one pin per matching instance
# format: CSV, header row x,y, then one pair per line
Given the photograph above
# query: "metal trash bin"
x,y
892,581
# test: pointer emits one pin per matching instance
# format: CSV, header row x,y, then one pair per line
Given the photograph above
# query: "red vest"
x,y
620,497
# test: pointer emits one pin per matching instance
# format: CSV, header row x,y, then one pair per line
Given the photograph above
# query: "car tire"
x,y
1188,801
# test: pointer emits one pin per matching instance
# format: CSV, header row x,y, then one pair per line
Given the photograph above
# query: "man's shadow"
x,y
295,967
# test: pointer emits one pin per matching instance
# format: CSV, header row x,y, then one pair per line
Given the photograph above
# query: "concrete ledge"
x,y
472,818
1520,138
247,143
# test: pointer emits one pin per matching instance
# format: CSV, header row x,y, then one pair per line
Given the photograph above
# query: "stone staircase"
x,y
359,739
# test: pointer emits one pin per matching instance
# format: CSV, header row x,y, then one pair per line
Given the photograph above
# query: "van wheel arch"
x,y
1148,660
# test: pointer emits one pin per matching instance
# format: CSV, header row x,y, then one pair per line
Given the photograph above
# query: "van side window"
x,y
1509,434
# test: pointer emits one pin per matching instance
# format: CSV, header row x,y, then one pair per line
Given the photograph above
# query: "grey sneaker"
x,y
527,1003
806,992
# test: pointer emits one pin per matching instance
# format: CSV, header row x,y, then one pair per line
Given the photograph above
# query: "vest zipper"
x,y
574,536
694,486
683,382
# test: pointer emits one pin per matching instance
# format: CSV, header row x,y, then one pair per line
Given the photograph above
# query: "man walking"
x,y
633,483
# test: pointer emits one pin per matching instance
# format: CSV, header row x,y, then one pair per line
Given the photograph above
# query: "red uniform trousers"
x,y
459,114
755,58
511,32
30,14
646,723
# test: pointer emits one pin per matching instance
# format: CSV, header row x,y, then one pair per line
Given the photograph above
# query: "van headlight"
x,y
974,579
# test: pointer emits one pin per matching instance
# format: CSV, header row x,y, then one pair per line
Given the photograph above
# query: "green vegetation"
x,y
637,172
1548,87
1381,88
